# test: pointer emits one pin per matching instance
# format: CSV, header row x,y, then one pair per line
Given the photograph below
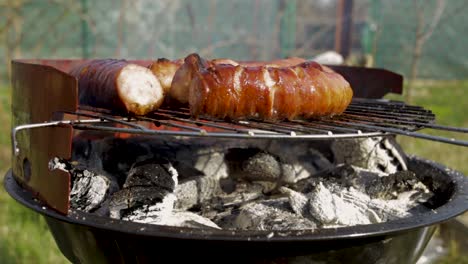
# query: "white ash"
x,y
192,157
159,178
332,209
270,215
328,209
149,183
262,185
171,218
196,191
163,213
143,212
209,161
304,159
127,200
298,201
264,166
201,191
185,219
57,164
244,192
378,154
152,173
89,190
337,202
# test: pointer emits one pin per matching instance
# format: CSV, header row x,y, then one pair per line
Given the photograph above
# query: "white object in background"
x,y
329,57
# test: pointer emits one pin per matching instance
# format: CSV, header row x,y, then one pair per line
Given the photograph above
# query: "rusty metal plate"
x,y
371,82
38,92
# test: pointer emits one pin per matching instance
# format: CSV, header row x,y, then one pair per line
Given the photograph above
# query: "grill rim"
x,y
456,205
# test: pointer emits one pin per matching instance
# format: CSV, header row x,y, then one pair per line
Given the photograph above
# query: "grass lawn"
x,y
449,102
24,237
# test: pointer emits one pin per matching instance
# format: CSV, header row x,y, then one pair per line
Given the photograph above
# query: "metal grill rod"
x,y
363,118
19,128
452,141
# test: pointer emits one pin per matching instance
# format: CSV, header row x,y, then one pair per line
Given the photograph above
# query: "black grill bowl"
x,y
87,238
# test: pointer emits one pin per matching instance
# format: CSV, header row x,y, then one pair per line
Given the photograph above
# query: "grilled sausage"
x,y
119,86
231,91
165,70
183,76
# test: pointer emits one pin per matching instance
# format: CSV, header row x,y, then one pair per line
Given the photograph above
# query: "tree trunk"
x,y
418,45
417,49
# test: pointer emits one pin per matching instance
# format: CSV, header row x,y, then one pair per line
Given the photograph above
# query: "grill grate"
x,y
363,118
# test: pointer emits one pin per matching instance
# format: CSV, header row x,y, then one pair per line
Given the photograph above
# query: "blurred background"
x,y
424,40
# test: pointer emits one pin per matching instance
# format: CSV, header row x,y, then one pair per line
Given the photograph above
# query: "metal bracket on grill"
x,y
38,92
370,82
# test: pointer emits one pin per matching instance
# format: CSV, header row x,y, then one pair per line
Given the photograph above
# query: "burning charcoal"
x,y
408,181
265,167
89,190
209,160
390,186
326,205
235,184
381,154
298,201
156,216
331,209
376,184
152,173
270,215
196,191
244,192
256,165
349,176
186,171
304,159
224,219
201,192
118,155
378,210
149,183
334,203
128,199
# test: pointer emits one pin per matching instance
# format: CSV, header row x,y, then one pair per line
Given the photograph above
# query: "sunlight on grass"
x,y
448,101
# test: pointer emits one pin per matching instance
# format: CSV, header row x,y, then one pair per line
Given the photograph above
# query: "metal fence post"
x,y
287,27
85,30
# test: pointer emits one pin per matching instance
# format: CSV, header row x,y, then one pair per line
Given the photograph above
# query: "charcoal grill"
x,y
42,131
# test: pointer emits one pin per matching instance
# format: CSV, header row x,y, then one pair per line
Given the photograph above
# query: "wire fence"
x,y
383,33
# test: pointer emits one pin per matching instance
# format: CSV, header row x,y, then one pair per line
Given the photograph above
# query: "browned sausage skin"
x,y
119,86
305,90
165,70
182,77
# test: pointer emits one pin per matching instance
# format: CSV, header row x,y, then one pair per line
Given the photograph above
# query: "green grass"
x,y
24,237
449,102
